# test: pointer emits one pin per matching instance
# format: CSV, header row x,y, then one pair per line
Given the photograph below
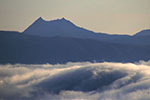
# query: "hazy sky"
x,y
109,16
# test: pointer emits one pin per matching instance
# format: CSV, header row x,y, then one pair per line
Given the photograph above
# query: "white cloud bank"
x,y
76,81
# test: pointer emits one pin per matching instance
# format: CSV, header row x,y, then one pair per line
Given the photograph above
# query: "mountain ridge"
x,y
65,28
70,44
59,27
27,49
145,32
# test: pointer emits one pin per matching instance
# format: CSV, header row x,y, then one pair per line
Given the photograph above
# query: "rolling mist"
x,y
75,81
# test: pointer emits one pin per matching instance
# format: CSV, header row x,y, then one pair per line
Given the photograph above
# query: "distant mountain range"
x,y
60,41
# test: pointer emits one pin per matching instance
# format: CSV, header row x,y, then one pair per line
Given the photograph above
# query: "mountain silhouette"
x,y
61,41
143,33
59,27
28,49
65,28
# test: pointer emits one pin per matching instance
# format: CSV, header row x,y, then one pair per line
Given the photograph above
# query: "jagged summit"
x,y
58,27
65,28
61,19
40,19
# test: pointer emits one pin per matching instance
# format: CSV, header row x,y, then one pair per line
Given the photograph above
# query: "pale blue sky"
x,y
109,16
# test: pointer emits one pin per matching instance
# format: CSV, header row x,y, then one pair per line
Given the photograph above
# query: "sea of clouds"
x,y
76,81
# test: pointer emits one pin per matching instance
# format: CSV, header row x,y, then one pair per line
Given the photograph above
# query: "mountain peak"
x,y
63,18
42,27
40,18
